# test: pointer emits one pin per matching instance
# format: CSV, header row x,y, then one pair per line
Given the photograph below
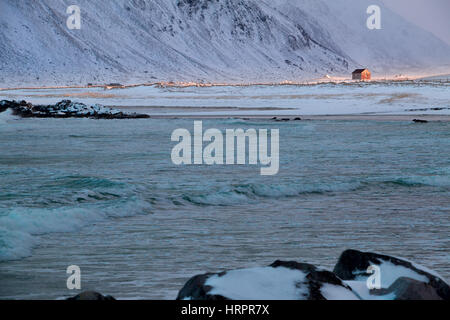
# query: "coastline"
x,y
343,117
341,79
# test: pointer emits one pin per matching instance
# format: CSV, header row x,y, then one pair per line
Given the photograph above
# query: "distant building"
x,y
114,86
361,74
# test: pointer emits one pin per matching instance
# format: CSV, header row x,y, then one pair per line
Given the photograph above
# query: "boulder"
x,y
286,280
197,289
408,289
353,265
91,296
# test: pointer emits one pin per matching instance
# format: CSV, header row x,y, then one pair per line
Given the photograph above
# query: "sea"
x,y
105,195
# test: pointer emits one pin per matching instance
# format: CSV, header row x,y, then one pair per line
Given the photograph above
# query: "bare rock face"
x,y
281,280
91,296
353,265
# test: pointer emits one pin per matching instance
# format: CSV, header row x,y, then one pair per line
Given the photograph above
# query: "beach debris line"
x,y
66,109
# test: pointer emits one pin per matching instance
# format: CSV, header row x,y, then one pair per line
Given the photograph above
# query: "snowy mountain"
x,y
205,40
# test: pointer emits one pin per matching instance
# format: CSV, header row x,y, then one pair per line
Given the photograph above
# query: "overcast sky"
x,y
432,15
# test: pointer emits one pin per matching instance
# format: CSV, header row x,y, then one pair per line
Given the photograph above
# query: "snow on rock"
x,y
279,281
65,109
408,289
400,279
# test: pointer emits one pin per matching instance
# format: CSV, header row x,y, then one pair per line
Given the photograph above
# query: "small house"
x,y
361,74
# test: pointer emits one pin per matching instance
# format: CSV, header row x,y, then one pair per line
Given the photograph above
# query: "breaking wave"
x,y
243,193
82,200
20,226
6,116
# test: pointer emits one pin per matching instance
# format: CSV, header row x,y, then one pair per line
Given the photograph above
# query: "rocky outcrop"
x,y
197,289
316,279
409,289
66,109
290,280
353,265
91,296
300,281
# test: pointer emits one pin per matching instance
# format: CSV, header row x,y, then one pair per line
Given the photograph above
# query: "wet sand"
x,y
318,117
157,112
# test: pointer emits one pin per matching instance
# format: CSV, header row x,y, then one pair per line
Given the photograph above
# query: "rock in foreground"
x,y
408,289
66,109
91,296
400,280
353,264
279,281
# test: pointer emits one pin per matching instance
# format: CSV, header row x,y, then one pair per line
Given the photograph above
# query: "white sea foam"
x,y
6,116
20,227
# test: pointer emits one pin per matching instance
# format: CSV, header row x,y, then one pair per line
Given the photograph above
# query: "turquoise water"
x,y
105,195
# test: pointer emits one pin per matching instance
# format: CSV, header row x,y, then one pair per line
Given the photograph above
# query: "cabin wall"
x,y
365,75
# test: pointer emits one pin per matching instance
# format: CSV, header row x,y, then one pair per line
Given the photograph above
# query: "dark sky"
x,y
432,15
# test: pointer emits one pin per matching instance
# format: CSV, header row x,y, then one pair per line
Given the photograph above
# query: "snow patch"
x,y
263,283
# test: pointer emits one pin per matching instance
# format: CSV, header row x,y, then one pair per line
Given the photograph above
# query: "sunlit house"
x,y
361,74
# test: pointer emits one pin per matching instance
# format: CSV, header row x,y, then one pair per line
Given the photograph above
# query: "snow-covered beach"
x,y
343,99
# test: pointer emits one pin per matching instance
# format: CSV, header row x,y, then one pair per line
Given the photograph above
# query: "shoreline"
x,y
424,118
423,78
294,117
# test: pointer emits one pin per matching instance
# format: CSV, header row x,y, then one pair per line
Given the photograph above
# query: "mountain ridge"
x,y
231,41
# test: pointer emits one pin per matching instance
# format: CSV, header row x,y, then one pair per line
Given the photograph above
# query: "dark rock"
x,y
298,119
420,121
196,289
294,265
353,263
313,283
67,109
3,106
315,278
283,119
409,289
91,296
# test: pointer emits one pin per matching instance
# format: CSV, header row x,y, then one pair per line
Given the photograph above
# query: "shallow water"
x,y
105,195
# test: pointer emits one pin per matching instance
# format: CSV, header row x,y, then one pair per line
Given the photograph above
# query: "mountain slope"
x,y
202,40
